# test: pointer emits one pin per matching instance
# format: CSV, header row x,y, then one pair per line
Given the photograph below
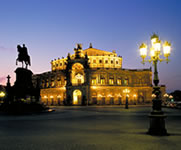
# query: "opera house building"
x,y
94,77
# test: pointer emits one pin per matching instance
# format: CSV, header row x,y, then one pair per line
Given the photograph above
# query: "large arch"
x,y
78,75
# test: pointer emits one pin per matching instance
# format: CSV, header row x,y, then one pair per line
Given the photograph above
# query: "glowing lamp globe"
x,y
143,50
166,48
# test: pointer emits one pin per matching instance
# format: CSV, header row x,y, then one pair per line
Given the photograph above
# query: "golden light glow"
x,y
170,96
143,50
45,96
126,91
134,95
51,96
93,87
119,95
166,48
165,95
153,95
99,95
2,94
77,94
59,96
110,95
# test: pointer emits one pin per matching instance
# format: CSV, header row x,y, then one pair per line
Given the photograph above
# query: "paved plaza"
x,y
89,128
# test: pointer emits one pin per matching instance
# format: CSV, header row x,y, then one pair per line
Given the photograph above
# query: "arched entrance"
x,y
77,97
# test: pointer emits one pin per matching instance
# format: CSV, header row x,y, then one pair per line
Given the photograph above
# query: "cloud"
x,y
2,48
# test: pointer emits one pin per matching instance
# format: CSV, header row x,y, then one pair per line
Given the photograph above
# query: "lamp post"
x,y
157,117
134,96
126,91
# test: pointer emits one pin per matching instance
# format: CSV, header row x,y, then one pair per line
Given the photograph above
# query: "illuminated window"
x,y
106,61
58,83
47,84
52,83
102,81
93,81
117,62
94,61
111,81
119,81
60,64
126,81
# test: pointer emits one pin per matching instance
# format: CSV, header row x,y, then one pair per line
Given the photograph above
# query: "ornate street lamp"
x,y
126,91
157,117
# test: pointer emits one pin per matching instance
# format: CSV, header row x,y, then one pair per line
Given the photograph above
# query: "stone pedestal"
x,y
23,86
157,125
157,120
23,78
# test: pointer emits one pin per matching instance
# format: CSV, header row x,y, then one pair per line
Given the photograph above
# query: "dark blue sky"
x,y
51,28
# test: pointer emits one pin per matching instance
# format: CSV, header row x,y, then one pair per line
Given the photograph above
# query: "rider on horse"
x,y
23,56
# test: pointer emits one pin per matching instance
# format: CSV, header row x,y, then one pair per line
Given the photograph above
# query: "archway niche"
x,y
78,75
77,97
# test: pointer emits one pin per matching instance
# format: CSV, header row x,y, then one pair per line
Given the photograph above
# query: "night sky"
x,y
51,28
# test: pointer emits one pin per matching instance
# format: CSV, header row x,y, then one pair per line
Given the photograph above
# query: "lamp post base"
x,y
157,124
126,105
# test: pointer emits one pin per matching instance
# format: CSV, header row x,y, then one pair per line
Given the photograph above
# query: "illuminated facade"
x,y
93,76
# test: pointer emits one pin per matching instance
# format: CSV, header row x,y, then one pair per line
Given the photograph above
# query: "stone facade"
x,y
93,76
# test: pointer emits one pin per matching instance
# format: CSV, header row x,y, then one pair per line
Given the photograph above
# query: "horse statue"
x,y
23,56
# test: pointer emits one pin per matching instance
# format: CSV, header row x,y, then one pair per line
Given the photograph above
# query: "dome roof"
x,y
97,52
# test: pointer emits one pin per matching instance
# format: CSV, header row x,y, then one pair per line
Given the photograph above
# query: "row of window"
x,y
52,84
111,82
58,64
94,62
106,61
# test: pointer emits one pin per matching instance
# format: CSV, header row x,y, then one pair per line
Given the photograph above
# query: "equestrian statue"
x,y
23,56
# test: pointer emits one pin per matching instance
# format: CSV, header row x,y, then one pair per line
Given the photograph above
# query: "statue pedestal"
x,y
23,78
23,86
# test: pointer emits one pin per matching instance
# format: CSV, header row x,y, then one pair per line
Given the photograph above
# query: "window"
x,y
119,81
117,62
100,61
111,81
52,84
58,83
106,61
60,64
111,61
93,81
47,84
94,61
126,81
102,81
